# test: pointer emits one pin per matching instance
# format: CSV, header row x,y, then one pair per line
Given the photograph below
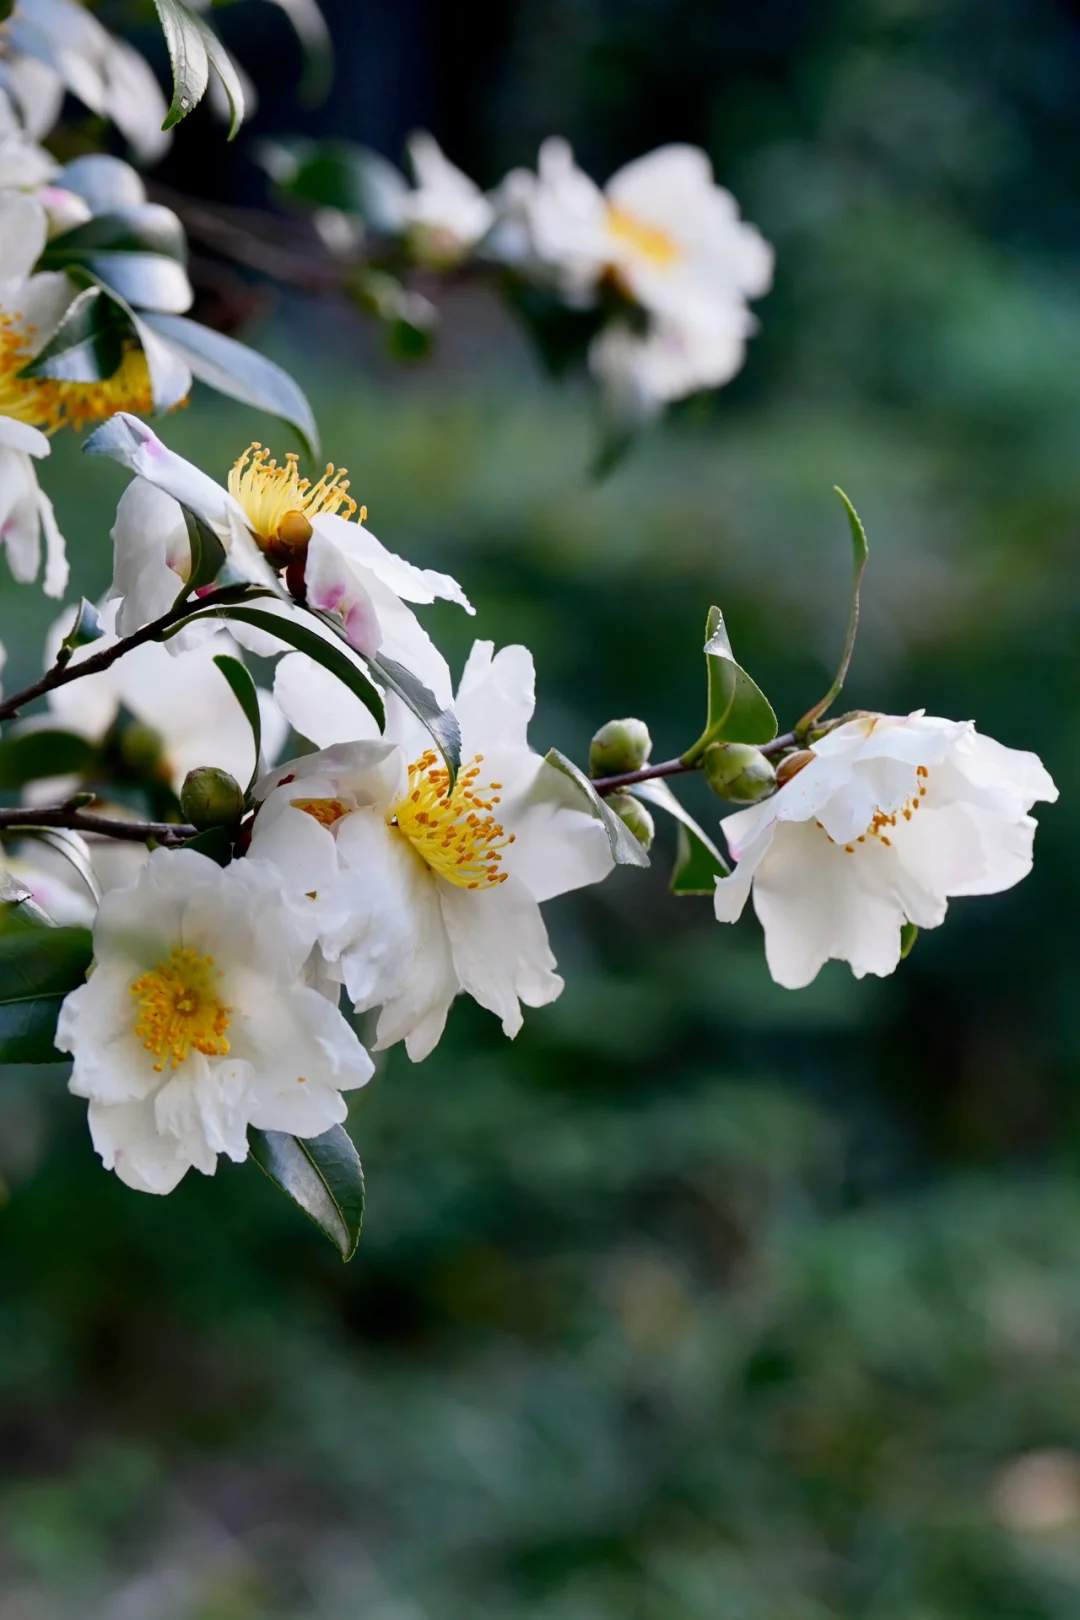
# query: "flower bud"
x,y
621,745
633,814
738,772
142,749
211,798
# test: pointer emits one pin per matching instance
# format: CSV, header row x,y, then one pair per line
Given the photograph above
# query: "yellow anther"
x,y
179,1009
649,241
325,811
454,832
279,504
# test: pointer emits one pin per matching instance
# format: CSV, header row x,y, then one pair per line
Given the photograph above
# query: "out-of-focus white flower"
x,y
196,1022
69,49
668,237
268,518
420,892
892,818
63,209
24,165
30,308
185,702
443,215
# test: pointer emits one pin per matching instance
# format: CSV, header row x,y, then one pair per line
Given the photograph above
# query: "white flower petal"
x,y
500,949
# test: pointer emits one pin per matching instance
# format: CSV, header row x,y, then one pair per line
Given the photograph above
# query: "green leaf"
x,y
860,554
307,641
88,345
909,933
28,756
738,709
245,693
234,369
213,842
626,850
222,63
207,554
38,968
441,724
187,55
698,862
316,44
74,851
323,1177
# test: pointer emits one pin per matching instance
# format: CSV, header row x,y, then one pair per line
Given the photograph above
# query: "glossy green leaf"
x,y
38,968
441,724
213,842
234,369
140,227
73,849
626,850
223,66
88,345
306,641
323,1177
246,694
909,933
698,862
860,554
738,710
187,56
29,756
207,554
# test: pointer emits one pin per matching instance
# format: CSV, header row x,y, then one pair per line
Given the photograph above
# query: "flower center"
x,y
325,811
648,241
128,389
881,822
280,505
27,399
179,1009
455,833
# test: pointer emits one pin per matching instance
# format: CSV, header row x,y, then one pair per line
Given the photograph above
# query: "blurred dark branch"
x,y
73,816
287,250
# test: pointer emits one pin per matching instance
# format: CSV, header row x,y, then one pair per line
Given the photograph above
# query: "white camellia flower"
x,y
892,818
185,703
443,215
196,1022
30,309
268,518
24,165
421,892
668,237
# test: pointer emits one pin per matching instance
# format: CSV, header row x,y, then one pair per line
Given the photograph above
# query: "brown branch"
x,y
169,833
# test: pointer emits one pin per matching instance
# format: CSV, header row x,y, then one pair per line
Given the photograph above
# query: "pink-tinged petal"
x,y
336,588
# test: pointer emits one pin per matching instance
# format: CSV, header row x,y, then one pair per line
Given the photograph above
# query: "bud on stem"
x,y
634,815
618,747
211,798
737,772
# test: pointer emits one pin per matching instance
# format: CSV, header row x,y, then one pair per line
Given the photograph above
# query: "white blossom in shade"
x,y
24,165
196,1022
421,892
267,518
58,45
443,215
892,818
668,237
185,701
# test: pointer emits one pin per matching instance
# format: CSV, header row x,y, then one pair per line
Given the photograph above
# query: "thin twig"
x,y
72,816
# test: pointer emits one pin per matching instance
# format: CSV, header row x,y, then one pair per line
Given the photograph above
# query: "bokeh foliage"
x,y
703,1298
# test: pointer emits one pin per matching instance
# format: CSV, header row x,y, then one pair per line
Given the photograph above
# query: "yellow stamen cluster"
x,y
27,399
456,833
179,1009
325,811
128,389
881,820
280,505
649,241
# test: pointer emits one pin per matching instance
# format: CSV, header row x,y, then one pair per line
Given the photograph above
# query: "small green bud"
x,y
738,772
621,745
633,814
211,798
142,749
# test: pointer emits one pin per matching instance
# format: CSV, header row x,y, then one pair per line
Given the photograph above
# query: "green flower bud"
x,y
142,750
738,772
633,814
211,798
621,745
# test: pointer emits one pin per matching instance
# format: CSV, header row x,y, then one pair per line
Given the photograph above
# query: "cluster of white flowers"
x,y
402,860
662,247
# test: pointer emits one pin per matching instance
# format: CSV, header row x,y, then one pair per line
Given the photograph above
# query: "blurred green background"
x,y
703,1299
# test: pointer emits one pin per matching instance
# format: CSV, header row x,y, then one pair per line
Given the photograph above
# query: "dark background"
x,y
703,1298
